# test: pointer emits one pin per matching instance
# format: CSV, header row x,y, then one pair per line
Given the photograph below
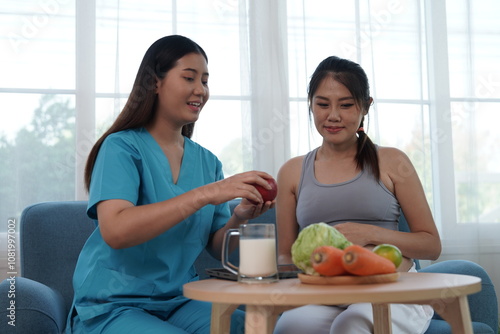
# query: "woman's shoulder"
x,y
292,168
195,149
390,153
129,134
125,141
393,160
295,162
129,139
191,144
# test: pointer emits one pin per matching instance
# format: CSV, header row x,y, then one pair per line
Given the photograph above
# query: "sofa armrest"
x,y
29,304
483,305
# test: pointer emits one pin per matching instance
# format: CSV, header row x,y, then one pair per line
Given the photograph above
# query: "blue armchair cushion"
x,y
52,235
483,304
37,308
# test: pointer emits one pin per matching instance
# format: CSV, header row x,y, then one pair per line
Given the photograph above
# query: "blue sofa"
x,y
53,233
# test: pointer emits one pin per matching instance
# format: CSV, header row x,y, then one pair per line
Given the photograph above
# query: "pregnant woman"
x,y
357,187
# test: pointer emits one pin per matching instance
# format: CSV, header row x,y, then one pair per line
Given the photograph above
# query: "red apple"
x,y
267,194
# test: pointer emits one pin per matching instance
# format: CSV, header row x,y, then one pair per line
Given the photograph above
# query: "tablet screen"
x,y
285,271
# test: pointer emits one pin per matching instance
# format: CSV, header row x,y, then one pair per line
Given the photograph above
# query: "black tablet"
x,y
285,271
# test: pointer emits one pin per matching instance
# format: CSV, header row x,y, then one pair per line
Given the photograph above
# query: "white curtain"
x,y
67,67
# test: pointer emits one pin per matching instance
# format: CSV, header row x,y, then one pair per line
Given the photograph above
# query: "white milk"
x,y
257,257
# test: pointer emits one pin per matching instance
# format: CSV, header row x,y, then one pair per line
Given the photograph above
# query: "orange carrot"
x,y
327,261
360,261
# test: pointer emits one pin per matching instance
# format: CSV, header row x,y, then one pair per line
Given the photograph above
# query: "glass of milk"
x,y
257,253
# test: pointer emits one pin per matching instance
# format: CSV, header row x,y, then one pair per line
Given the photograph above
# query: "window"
x,y
68,66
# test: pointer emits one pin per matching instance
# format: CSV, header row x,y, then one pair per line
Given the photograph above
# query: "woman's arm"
x,y
400,177
423,242
123,224
286,203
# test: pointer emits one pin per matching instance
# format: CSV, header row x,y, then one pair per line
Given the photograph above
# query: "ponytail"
x,y
366,155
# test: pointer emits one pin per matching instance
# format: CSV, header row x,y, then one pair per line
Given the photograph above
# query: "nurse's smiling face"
x,y
183,92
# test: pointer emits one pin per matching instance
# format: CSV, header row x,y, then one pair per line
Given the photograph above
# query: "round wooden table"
x,y
446,293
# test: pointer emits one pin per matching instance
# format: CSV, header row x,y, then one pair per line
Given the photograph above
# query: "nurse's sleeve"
x,y
222,212
116,174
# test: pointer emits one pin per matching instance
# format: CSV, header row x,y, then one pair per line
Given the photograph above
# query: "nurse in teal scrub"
x,y
158,199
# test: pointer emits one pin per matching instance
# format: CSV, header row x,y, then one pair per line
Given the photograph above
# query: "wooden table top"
x,y
409,288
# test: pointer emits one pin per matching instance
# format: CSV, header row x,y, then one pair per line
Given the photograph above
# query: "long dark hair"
x,y
351,75
139,111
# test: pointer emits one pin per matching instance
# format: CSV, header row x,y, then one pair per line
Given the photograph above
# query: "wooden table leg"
x,y
261,319
456,312
382,319
221,318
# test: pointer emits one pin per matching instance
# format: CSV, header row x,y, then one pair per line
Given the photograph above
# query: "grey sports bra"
x,y
362,200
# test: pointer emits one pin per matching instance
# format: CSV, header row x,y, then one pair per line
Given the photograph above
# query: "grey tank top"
x,y
362,200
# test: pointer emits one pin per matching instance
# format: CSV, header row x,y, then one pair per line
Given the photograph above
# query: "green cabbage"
x,y
311,237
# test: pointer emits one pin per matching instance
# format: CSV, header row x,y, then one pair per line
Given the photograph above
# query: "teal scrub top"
x,y
131,166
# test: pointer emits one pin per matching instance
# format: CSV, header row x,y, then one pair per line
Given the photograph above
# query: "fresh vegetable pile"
x,y
310,238
322,250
